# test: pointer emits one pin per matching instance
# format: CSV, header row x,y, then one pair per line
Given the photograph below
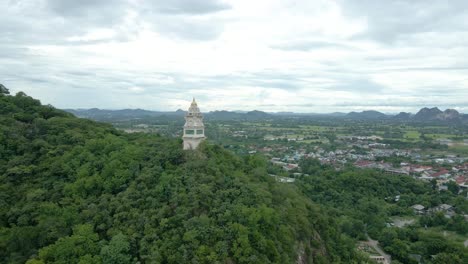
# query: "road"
x,y
375,244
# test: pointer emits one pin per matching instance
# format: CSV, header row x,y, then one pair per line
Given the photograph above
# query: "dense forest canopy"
x,y
77,191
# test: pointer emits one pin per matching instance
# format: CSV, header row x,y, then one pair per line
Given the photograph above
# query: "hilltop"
x,y
370,114
431,114
79,191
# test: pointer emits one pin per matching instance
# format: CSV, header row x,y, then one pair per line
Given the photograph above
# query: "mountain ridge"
x,y
367,114
435,114
423,115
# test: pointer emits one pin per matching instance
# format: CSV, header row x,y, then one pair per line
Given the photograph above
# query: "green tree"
x,y
83,244
399,249
118,251
445,258
453,187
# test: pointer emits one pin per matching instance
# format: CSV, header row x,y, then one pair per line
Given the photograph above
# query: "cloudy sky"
x,y
272,55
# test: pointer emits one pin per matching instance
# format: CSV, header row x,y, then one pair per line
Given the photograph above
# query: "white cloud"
x,y
94,35
136,89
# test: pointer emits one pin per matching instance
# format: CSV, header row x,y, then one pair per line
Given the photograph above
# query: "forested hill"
x,y
76,191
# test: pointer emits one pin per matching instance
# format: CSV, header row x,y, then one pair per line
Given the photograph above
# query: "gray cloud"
x,y
90,12
8,53
185,19
53,21
194,7
391,21
56,21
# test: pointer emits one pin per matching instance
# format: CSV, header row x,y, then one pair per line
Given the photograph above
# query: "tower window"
x,y
199,131
189,132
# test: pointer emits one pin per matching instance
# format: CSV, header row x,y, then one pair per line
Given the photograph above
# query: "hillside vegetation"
x,y
76,191
367,202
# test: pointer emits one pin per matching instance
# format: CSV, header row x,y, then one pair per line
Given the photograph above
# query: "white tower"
x,y
194,130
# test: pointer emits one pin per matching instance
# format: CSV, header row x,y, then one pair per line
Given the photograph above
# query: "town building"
x,y
194,129
418,209
379,259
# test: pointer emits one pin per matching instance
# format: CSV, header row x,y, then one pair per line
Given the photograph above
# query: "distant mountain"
x,y
229,115
180,112
294,114
240,111
450,114
337,114
3,89
125,114
423,115
102,114
258,114
435,114
403,116
223,115
426,114
369,114
286,113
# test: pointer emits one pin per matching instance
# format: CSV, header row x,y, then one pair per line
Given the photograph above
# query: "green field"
x,y
412,135
459,149
451,236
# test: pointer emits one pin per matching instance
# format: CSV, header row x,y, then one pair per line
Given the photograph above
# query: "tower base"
x,y
192,143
